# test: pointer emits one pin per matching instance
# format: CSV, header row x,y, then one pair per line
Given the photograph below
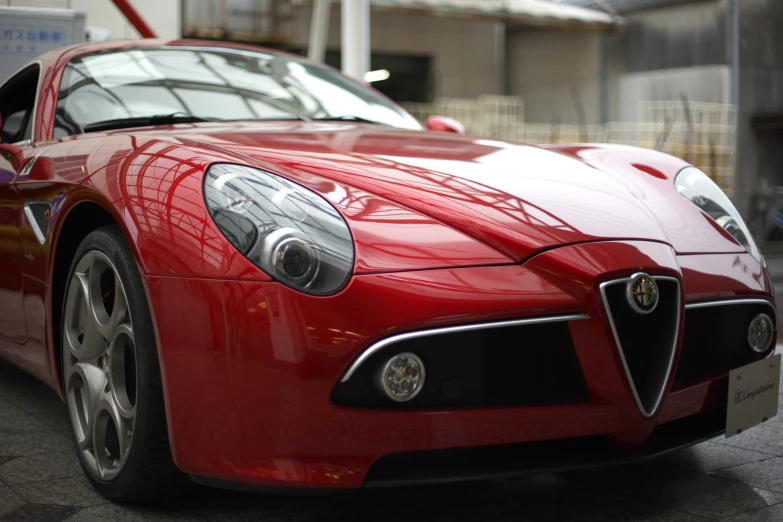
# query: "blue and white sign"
x,y
26,33
31,39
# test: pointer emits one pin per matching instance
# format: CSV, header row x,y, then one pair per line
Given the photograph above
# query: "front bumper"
x,y
249,368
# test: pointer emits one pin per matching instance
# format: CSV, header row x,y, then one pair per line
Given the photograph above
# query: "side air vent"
x,y
37,214
646,338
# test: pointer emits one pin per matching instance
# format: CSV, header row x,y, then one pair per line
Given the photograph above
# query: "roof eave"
x,y
509,18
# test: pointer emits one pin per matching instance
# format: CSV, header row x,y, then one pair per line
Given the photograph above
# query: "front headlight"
x,y
704,193
288,231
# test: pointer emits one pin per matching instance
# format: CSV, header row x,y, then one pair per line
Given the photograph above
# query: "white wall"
x,y
162,15
549,68
709,84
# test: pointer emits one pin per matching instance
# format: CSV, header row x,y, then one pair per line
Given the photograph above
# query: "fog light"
x,y
402,377
760,333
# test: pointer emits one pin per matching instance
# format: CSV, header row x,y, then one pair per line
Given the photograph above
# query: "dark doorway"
x,y
769,133
410,76
769,138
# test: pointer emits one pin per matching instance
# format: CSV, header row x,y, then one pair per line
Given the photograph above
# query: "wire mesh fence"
x,y
701,133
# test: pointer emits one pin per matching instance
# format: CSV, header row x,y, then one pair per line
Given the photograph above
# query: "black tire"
x,y
149,472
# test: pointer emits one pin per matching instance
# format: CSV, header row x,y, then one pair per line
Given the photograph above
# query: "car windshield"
x,y
173,84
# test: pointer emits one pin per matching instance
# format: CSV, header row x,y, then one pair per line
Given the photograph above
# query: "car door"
x,y
12,318
17,100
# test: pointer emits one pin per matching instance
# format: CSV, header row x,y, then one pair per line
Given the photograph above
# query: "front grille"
x,y
715,340
529,364
646,342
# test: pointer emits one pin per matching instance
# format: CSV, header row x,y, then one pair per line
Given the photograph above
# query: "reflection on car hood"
x,y
518,199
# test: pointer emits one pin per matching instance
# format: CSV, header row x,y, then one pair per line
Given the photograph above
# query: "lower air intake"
x,y
715,340
518,365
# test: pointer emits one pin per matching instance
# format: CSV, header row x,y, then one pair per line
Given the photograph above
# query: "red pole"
x,y
135,19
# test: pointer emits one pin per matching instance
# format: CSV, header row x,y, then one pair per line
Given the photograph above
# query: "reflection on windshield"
x,y
211,83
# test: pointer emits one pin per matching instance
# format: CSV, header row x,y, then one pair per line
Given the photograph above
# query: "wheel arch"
x,y
77,220
70,226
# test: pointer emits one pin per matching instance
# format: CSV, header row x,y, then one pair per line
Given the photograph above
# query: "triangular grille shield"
x,y
645,341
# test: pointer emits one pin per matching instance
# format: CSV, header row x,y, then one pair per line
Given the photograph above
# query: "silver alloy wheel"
x,y
99,363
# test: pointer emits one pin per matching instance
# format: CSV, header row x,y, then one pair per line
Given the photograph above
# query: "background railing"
x,y
700,133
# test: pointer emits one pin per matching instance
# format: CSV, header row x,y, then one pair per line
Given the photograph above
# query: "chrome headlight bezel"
x,y
699,189
287,230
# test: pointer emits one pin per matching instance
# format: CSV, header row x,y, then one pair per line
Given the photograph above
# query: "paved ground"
x,y
737,480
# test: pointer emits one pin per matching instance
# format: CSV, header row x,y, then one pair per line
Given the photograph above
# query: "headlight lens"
x,y
704,193
288,231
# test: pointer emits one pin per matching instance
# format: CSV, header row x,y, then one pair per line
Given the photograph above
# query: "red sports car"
x,y
240,266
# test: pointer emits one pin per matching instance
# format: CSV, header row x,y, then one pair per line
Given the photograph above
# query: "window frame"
x,y
31,118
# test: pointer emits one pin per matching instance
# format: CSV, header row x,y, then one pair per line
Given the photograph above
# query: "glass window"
x,y
211,83
14,127
17,102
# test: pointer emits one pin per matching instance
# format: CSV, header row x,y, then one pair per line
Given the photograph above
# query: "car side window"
x,y
13,127
17,104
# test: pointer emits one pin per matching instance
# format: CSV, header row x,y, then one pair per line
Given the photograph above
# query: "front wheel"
x,y
111,373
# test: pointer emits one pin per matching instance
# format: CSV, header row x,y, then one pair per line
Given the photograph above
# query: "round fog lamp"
x,y
760,333
402,377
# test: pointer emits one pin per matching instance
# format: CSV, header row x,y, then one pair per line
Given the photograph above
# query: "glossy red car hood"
x,y
518,199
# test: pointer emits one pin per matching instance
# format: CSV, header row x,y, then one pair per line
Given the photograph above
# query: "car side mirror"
x,y
444,124
13,155
42,169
